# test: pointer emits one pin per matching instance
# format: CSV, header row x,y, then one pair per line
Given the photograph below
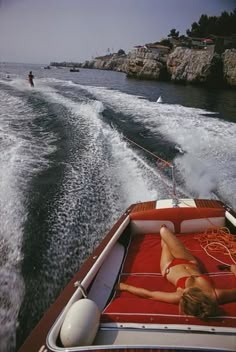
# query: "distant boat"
x,y
159,100
47,68
74,69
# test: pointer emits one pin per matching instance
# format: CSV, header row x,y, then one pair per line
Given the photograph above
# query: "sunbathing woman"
x,y
195,292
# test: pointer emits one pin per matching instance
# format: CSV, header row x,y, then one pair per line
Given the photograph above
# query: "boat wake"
x,y
64,161
22,155
206,140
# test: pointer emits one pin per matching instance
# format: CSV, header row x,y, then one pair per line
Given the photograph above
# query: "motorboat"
x,y
91,314
74,69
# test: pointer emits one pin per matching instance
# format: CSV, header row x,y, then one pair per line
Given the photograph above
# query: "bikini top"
x,y
181,282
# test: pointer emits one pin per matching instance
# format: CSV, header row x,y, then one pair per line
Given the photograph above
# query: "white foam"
x,y
21,155
209,143
126,162
101,169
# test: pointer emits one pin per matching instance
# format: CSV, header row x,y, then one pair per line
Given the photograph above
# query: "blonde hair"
x,y
195,302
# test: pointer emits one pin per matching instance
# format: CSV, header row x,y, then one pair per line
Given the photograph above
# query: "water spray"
x,y
162,163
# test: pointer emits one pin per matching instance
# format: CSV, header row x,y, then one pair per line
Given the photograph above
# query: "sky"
x,y
41,31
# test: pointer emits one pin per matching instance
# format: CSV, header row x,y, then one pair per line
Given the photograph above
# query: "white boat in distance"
x,y
159,100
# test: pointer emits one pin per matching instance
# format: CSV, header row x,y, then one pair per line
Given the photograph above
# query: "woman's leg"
x,y
176,248
166,257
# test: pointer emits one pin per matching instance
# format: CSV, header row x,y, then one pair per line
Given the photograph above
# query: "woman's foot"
x,y
163,225
164,230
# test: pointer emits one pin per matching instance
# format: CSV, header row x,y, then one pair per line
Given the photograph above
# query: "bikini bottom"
x,y
176,261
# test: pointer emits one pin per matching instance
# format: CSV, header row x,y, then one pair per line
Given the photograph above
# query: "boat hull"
x,y
137,220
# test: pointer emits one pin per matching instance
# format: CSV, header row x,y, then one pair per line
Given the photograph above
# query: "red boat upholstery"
x,y
177,219
141,268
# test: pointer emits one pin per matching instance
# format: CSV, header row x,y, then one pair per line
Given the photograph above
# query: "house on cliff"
x,y
158,49
214,43
224,42
152,48
200,43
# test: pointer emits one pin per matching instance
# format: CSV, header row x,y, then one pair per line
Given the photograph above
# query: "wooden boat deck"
x,y
208,203
200,203
144,206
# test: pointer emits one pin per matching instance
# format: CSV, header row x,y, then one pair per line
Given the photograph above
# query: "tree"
x,y
166,42
203,25
121,52
194,32
173,33
223,25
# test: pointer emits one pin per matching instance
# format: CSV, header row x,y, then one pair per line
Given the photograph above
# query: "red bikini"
x,y
182,281
175,262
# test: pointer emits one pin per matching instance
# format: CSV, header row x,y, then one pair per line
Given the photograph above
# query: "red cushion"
x,y
142,269
144,254
145,251
127,307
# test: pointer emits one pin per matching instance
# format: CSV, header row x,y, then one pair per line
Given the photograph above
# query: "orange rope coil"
x,y
218,240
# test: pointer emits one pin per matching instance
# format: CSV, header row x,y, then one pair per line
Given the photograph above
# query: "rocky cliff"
x,y
229,67
181,65
108,62
194,66
144,64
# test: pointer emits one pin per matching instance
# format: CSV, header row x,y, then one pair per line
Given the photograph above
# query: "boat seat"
x,y
179,220
141,268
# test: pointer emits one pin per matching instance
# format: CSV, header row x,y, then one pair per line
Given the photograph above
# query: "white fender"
x,y
80,324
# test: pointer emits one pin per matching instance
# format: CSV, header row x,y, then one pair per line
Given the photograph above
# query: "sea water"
x,y
68,171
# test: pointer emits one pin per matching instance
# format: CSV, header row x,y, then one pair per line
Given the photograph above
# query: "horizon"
x,y
79,30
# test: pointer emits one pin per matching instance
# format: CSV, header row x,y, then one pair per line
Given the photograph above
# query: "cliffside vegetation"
x,y
224,25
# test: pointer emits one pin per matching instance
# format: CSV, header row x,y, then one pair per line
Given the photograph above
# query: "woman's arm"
x,y
168,297
227,295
